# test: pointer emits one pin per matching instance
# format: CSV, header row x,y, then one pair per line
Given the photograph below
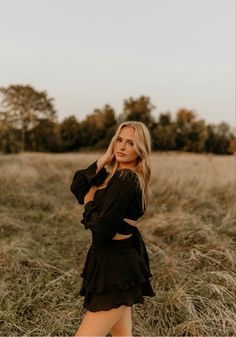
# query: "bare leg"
x,y
100,323
124,326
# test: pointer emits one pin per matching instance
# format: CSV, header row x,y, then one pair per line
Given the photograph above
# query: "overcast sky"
x,y
87,53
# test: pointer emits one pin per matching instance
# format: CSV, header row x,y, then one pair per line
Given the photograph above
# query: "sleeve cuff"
x,y
88,208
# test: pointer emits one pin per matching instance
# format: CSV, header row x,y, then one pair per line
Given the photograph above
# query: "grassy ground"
x,y
189,231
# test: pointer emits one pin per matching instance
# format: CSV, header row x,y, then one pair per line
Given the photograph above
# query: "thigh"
x,y
100,323
123,326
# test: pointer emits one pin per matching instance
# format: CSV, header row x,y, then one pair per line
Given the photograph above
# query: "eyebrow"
x,y
126,138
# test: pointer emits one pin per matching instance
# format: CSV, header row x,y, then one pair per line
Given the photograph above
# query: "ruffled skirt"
x,y
114,274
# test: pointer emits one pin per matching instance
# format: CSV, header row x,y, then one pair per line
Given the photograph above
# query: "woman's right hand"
x,y
106,157
108,154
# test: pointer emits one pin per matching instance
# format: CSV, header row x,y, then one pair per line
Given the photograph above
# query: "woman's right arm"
x,y
93,175
84,179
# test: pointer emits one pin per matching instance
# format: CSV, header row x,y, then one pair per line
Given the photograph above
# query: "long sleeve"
x,y
104,220
83,179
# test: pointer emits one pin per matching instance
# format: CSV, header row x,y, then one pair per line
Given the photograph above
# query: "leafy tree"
x,y
184,121
139,110
219,139
232,145
98,127
70,134
163,133
22,107
163,137
45,137
197,136
223,135
185,117
9,142
165,119
211,140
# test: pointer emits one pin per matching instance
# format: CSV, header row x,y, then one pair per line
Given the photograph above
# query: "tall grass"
x,y
189,231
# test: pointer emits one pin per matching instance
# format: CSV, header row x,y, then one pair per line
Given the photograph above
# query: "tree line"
x,y
29,122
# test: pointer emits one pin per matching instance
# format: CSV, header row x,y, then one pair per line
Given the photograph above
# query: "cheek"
x,y
132,153
115,147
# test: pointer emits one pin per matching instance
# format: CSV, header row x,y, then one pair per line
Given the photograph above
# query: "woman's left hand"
x,y
131,222
90,194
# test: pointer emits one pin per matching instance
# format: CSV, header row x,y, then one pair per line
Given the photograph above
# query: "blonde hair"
x,y
142,146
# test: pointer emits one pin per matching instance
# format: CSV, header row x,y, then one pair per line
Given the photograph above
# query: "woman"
x,y
116,271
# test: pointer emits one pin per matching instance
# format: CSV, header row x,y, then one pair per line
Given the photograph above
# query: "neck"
x,y
125,166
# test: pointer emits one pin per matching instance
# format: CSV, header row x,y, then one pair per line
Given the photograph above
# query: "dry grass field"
x,y
189,231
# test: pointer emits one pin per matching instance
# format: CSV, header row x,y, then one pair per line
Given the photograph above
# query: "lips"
x,y
120,154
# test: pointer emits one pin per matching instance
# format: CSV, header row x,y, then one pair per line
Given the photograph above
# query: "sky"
x,y
88,53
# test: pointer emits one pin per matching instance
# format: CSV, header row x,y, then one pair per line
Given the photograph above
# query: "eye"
x,y
131,143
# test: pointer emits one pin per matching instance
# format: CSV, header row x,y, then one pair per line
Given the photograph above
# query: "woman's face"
x,y
124,151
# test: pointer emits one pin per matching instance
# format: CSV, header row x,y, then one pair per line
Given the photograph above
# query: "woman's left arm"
x,y
105,221
90,195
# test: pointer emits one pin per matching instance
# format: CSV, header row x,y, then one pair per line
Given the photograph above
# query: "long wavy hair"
x,y
142,145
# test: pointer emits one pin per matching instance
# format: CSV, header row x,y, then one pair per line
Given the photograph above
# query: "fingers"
x,y
90,194
131,222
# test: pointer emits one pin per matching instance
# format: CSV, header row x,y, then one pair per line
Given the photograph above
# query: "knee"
x,y
115,332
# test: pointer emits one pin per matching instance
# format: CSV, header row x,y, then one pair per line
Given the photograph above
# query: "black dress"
x,y
116,272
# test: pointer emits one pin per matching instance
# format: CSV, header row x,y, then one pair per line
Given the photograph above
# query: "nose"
x,y
122,145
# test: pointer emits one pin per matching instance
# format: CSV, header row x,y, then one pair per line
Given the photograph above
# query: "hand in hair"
x,y
105,158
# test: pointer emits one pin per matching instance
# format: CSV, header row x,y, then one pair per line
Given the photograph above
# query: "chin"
x,y
120,160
